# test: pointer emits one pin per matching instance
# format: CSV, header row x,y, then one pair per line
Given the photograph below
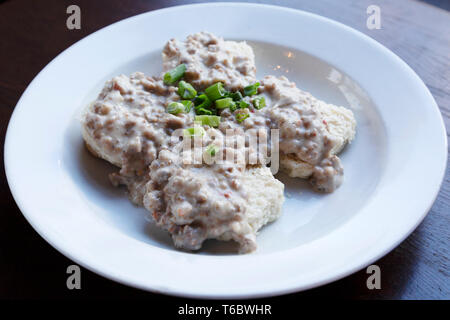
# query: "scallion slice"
x,y
236,96
212,121
251,89
186,90
241,116
203,111
194,132
203,105
225,103
212,150
175,108
216,91
243,104
202,101
259,102
188,104
172,76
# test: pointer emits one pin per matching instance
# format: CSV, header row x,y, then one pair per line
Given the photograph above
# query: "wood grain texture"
x,y
34,32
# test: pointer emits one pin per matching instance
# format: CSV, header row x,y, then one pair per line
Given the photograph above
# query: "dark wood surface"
x,y
32,33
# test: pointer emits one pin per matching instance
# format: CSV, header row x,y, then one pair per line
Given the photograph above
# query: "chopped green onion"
x,y
216,91
202,101
194,132
212,121
202,105
188,104
175,108
203,111
233,107
251,89
224,103
241,116
236,96
172,76
259,102
186,90
243,104
212,150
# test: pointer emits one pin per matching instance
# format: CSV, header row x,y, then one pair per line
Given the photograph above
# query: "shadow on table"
x,y
443,4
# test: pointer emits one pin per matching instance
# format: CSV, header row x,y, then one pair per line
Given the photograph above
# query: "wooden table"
x,y
32,33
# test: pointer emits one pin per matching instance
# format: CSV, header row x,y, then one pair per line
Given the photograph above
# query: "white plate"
x,y
393,170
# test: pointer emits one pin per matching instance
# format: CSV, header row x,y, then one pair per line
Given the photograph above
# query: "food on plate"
x,y
183,140
311,132
225,201
127,125
210,59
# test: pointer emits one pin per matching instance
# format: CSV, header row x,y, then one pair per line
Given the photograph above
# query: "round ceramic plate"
x,y
393,169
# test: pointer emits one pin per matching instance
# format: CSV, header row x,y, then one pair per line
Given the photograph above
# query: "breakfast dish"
x,y
210,59
208,102
66,196
226,201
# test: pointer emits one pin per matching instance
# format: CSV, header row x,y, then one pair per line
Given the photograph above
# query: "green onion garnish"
x,y
241,116
212,150
175,108
172,76
251,89
216,91
236,96
188,104
186,90
259,102
202,101
212,121
194,132
202,105
243,104
225,103
204,111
